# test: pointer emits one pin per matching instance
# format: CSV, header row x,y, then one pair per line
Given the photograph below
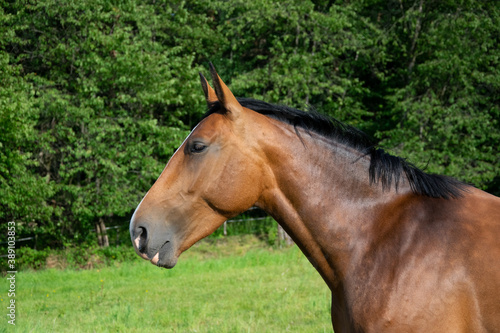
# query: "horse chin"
x,y
165,257
166,263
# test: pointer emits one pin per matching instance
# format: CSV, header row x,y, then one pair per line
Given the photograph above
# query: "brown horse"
x,y
401,250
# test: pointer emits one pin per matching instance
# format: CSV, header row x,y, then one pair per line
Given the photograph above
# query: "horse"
x,y
401,250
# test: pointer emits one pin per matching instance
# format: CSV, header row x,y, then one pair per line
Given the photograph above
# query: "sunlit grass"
x,y
255,289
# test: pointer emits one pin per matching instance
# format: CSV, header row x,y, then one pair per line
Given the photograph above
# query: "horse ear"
x,y
226,98
210,95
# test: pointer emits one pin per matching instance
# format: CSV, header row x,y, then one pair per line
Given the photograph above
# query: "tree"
x,y
300,54
95,96
443,99
107,96
25,194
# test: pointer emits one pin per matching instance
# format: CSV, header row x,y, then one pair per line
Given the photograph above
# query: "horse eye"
x,y
198,147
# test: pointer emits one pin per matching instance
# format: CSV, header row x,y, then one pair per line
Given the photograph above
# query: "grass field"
x,y
232,285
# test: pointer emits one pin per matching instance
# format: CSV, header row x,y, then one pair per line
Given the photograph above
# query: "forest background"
x,y
95,95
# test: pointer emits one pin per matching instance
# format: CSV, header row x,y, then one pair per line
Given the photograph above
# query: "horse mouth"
x,y
165,256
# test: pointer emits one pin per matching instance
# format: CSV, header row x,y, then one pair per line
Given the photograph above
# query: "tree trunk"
x,y
102,235
99,235
283,237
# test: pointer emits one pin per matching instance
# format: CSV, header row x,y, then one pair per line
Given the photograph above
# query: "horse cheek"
x,y
236,190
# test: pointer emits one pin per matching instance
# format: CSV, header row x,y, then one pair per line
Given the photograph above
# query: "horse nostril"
x,y
142,235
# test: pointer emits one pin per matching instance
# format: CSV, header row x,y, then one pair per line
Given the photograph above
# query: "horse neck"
x,y
322,196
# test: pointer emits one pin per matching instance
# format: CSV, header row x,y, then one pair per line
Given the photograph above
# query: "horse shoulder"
x,y
433,256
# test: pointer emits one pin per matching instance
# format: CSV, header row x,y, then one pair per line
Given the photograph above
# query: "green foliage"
x,y
446,113
27,258
95,95
107,99
294,54
255,222
24,192
71,257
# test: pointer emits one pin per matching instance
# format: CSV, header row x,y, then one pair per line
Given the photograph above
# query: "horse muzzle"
x,y
157,246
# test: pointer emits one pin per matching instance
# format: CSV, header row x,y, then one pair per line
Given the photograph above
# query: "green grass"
x,y
224,286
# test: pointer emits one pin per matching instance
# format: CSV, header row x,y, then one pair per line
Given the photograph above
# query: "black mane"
x,y
384,168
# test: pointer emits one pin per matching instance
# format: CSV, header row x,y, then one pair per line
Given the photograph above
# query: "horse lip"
x,y
160,255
